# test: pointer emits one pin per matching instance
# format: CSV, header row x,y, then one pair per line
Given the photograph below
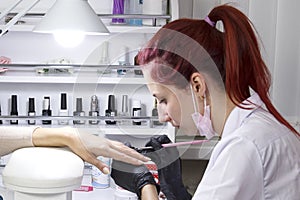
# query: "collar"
x,y
238,115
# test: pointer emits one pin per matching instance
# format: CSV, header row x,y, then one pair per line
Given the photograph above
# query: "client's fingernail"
x,y
105,170
147,158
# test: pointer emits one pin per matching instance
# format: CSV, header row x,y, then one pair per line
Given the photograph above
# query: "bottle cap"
x,y
31,105
63,101
78,104
46,103
111,102
14,104
125,103
94,103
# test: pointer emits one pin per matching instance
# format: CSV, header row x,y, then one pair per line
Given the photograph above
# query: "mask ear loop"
x,y
195,103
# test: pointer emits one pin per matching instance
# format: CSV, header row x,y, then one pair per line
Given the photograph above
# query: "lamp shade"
x,y
71,16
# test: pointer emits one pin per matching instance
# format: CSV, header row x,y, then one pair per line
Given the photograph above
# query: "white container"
x,y
100,180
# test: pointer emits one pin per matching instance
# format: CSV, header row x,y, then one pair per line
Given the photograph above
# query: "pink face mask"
x,y
203,122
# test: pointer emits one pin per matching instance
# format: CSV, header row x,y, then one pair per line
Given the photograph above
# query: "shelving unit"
x,y
90,74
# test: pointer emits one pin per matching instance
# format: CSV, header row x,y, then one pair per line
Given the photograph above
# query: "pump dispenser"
x,y
79,111
94,112
46,110
31,111
14,108
111,112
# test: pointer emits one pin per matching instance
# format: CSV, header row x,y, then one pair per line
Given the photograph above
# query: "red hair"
x,y
235,54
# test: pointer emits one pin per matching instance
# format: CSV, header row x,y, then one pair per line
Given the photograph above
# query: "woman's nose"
x,y
163,115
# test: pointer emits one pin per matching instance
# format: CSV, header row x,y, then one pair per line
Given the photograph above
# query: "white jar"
x,y
100,180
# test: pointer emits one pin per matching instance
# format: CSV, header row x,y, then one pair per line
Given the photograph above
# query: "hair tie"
x,y
211,23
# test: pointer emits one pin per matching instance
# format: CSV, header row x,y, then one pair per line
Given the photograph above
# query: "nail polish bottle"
x,y
124,111
46,110
94,112
63,109
0,115
136,111
111,112
14,108
31,111
155,114
78,111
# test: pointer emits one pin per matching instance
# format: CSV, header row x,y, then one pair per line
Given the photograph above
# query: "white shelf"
x,y
69,80
28,74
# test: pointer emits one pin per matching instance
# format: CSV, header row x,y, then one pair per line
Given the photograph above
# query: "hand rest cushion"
x,y
43,170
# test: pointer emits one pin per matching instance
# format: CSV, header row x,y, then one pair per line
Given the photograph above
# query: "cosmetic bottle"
x,y
63,109
134,7
0,115
14,108
31,111
124,111
78,111
111,112
136,111
46,110
94,112
155,114
118,9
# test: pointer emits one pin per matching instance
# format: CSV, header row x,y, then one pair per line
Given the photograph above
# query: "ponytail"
x,y
244,65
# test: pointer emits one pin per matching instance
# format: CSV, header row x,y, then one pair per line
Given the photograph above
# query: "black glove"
x,y
169,168
131,177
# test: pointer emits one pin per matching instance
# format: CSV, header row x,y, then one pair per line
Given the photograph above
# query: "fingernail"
x,y
147,158
105,170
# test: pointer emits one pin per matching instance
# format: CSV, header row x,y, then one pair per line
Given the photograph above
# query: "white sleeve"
x,y
12,138
234,172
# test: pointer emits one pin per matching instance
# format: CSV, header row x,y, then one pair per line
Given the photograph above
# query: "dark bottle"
x,y
136,112
78,111
14,108
94,112
0,115
31,111
46,110
111,112
155,114
63,111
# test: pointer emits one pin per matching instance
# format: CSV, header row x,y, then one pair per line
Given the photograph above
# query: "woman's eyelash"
x,y
162,101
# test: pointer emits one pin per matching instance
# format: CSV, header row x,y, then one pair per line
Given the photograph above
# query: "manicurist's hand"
x,y
137,179
169,168
87,146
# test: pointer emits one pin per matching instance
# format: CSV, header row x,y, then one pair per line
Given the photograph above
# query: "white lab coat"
x,y
257,158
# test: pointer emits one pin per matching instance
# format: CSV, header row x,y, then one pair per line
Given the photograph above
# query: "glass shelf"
x,y
71,73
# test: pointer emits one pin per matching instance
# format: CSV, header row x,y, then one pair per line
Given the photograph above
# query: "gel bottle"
x,y
14,108
111,112
46,110
94,112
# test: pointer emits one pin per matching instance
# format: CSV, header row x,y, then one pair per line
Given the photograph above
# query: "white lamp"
x,y
71,15
66,19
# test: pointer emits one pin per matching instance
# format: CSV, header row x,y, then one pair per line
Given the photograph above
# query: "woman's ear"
x,y
198,84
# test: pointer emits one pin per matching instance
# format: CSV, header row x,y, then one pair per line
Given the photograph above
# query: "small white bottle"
x,y
100,180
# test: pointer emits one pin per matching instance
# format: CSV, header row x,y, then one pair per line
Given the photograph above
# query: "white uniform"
x,y
257,158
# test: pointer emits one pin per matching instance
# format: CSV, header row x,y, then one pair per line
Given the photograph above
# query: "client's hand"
x,y
87,146
132,178
169,168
